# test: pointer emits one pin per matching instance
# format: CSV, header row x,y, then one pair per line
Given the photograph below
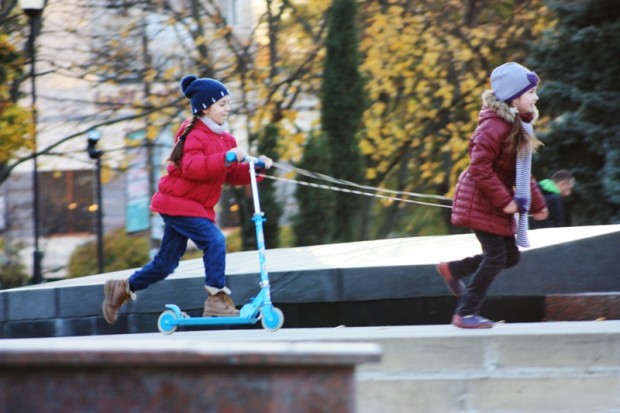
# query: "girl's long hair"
x,y
177,149
518,139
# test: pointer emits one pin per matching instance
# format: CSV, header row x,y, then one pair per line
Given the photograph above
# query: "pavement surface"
x,y
342,334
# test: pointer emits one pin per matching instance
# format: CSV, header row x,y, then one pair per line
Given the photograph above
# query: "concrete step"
x,y
546,367
542,367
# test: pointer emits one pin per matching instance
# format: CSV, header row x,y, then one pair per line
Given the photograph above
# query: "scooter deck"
x,y
182,319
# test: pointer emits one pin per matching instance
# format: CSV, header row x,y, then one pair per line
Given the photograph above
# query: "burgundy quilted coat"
x,y
194,189
487,185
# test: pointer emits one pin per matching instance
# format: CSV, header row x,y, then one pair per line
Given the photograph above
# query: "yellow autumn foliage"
x,y
15,121
427,63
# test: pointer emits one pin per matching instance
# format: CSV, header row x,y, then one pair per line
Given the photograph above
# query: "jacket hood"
x,y
503,110
550,186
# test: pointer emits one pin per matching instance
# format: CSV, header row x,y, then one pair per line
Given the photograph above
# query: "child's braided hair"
x,y
177,150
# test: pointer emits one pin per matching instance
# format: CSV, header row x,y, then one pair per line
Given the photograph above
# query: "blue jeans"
x,y
177,231
497,253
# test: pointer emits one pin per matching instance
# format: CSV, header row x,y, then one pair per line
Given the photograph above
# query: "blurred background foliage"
x,y
420,65
580,99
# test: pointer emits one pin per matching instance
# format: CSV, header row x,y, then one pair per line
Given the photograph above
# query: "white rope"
x,y
353,191
328,178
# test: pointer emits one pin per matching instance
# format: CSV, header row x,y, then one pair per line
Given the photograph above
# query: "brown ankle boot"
x,y
117,293
219,305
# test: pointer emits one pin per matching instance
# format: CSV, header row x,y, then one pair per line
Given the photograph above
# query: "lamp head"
x,y
93,137
32,4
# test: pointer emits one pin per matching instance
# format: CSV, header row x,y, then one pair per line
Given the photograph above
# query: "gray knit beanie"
x,y
202,93
511,80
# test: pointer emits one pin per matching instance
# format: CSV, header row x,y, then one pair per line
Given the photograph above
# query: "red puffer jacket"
x,y
487,185
194,189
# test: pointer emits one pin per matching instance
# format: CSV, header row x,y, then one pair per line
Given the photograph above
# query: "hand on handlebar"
x,y
268,162
237,155
234,155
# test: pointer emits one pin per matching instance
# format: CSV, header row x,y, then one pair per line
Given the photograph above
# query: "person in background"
x,y
186,199
555,190
496,185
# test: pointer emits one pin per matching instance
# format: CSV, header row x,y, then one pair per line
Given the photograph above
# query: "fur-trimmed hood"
x,y
504,110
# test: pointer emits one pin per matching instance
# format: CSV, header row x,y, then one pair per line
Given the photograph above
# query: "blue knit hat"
x,y
511,80
202,93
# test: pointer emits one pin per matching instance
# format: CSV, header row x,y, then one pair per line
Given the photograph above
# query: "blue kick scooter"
x,y
260,307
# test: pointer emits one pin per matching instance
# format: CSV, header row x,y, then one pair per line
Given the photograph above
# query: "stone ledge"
x,y
379,282
161,375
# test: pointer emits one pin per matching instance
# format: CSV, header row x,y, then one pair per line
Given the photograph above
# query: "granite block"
x,y
382,312
32,304
582,307
312,315
80,301
376,283
30,328
587,265
82,326
514,309
188,293
120,327
305,286
436,310
183,376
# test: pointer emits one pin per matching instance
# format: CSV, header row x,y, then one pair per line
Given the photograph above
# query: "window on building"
x,y
230,12
67,202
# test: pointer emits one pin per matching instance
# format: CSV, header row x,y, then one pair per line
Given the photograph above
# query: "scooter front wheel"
x,y
272,318
166,322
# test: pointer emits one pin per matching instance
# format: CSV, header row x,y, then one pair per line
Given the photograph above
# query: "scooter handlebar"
x,y
231,157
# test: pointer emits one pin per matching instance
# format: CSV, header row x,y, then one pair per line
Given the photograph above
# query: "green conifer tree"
x,y
579,67
342,106
314,222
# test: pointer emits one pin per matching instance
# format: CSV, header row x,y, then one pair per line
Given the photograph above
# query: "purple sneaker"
x,y
455,285
471,321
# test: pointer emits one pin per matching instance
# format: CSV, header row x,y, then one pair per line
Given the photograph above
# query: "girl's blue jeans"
x,y
177,231
498,252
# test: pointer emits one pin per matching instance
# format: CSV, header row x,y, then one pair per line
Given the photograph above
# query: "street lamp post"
x,y
93,138
33,9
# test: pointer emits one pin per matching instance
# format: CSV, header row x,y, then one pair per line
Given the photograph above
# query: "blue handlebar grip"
x,y
260,164
231,157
